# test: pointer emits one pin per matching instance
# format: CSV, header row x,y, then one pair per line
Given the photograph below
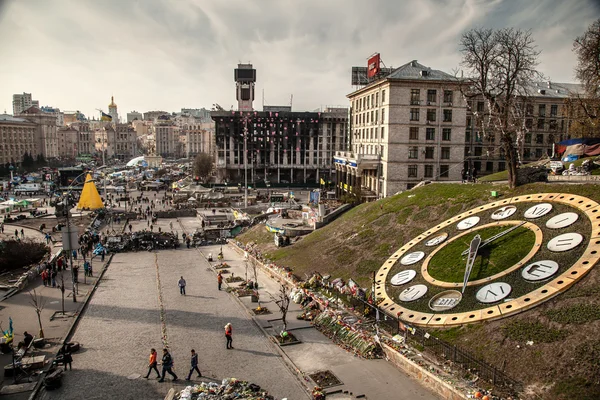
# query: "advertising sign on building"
x,y
373,65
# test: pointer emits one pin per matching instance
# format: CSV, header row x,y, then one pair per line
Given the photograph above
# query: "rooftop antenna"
x,y
291,100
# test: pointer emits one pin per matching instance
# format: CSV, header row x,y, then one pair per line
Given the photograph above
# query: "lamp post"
x,y
245,162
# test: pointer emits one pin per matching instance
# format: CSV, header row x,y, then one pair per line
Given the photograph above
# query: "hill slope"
x,y
564,360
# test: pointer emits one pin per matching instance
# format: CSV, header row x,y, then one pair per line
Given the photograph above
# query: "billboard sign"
x,y
373,65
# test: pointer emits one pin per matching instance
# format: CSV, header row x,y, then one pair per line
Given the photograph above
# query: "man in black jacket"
x,y
167,366
194,366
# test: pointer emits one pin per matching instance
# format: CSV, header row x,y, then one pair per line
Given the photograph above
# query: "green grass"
x,y
575,314
522,331
448,265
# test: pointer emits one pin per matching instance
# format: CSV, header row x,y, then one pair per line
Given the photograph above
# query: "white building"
x,y
134,115
22,102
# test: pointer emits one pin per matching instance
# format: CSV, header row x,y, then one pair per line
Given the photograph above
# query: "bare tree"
x,y
283,302
203,165
38,302
500,67
254,266
583,107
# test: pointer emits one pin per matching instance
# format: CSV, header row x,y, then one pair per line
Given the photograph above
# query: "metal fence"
x,y
433,345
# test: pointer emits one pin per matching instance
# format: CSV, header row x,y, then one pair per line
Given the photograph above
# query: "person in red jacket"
x,y
228,332
152,364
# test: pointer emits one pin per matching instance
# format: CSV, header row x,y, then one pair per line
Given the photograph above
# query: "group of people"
x,y
467,175
167,361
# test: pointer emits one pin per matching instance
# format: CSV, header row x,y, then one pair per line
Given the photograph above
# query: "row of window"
x,y
370,133
413,133
432,96
428,170
428,151
480,107
368,117
540,138
368,101
415,114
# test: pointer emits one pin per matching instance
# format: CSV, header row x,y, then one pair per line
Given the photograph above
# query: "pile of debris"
x,y
230,388
143,240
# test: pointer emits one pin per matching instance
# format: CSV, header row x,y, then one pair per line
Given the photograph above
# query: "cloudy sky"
x,y
160,54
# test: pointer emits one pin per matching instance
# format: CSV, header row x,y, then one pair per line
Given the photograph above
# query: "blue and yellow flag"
x,y
106,117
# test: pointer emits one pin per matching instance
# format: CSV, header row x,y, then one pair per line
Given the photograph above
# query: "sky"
x,y
168,55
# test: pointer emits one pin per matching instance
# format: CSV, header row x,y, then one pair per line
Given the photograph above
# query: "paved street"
x,y
123,322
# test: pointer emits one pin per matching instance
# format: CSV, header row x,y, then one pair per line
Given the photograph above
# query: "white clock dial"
x,y
539,210
467,223
504,212
565,242
493,292
562,220
538,271
403,277
412,293
436,240
445,300
412,258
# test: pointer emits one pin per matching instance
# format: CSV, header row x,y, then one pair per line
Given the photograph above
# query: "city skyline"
x,y
160,55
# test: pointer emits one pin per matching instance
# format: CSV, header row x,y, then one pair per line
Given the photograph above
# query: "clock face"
x,y
529,249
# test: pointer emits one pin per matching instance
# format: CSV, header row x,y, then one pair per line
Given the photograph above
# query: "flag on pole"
x,y
106,117
322,181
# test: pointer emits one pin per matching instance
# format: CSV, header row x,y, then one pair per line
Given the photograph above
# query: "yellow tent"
x,y
90,199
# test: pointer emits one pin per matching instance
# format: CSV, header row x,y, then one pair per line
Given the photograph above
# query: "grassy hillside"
x,y
564,360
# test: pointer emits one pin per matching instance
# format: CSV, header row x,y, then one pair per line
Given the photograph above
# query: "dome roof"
x,y
112,102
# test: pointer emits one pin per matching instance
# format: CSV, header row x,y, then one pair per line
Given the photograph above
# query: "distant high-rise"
x,y
112,110
132,116
22,102
245,77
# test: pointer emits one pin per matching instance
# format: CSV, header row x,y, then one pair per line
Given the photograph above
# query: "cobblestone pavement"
x,y
123,322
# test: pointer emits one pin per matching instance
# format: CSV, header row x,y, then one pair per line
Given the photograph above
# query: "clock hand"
x,y
497,236
473,248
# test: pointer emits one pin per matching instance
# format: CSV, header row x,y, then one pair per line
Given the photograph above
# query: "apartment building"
x,y
126,145
46,136
198,138
68,142
407,127
166,137
22,102
85,138
17,137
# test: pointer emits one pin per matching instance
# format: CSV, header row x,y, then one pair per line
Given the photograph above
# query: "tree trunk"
x,y
511,161
41,334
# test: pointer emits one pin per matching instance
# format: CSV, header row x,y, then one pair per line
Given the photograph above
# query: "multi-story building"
x,y
199,138
85,139
17,137
60,117
112,110
134,115
407,127
166,137
46,137
70,117
67,138
545,122
22,102
125,142
282,147
153,115
201,113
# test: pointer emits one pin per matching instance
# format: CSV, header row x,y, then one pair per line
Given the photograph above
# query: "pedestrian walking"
x,y
167,366
22,233
188,241
74,254
171,226
152,363
182,286
102,254
53,277
463,175
219,279
194,366
228,333
86,268
130,227
48,237
45,277
474,174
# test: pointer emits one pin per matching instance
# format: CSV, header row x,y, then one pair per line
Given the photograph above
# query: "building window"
x,y
448,95
415,96
429,171
412,171
414,114
538,153
444,171
539,138
528,138
431,96
446,134
413,152
529,123
430,134
445,153
382,133
529,109
527,153
431,114
383,96
552,125
478,151
429,152
540,124
413,133
480,106
489,166
501,166
467,136
542,110
554,110
447,115
383,115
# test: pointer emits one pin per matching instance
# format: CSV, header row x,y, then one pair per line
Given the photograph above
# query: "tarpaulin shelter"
x,y
89,199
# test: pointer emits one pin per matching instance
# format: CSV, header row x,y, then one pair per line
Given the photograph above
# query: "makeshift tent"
x,y
89,199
